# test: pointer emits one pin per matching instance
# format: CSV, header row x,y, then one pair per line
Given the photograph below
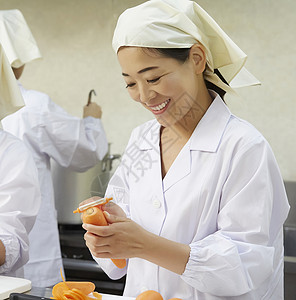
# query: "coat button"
x,y
156,203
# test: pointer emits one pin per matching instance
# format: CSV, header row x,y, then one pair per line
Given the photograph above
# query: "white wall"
x,y
74,37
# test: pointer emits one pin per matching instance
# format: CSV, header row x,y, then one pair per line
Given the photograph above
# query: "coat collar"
x,y
206,137
209,131
149,136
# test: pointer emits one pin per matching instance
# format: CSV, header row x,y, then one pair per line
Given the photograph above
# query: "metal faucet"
x,y
108,160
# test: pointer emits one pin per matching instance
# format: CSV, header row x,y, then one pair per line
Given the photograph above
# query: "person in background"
x,y
199,202
50,133
19,185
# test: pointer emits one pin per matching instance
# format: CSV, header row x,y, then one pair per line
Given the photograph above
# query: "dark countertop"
x,y
40,292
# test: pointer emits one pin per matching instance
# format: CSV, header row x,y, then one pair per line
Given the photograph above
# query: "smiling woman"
x,y
199,202
160,83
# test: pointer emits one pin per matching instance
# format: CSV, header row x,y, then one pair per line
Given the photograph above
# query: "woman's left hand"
x,y
122,238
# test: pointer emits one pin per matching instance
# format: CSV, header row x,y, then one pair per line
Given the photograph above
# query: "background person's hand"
x,y
92,110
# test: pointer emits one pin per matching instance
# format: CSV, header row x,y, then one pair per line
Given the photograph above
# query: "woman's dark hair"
x,y
182,54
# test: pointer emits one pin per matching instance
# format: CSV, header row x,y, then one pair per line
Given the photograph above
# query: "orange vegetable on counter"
x,y
95,216
74,290
59,289
85,287
149,295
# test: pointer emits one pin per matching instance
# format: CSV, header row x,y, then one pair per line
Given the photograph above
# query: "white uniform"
x,y
19,202
223,196
50,132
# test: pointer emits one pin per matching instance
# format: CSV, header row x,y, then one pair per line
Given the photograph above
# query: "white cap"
x,y
180,24
16,38
10,96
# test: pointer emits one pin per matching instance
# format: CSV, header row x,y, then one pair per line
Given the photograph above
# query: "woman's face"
x,y
165,86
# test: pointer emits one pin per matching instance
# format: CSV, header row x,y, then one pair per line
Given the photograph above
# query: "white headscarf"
x,y
16,38
180,24
10,96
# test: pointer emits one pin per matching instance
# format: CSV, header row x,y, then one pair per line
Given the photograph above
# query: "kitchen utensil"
x,y
91,204
10,285
89,96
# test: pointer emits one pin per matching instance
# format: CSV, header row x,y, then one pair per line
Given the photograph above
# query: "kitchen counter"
x,y
40,292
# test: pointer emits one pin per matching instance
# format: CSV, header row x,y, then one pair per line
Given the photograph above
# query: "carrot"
x,y
119,263
74,295
74,290
95,216
149,295
85,287
59,289
97,295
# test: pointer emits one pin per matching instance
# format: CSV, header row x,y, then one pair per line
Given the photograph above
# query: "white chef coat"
x,y
19,202
50,132
223,196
